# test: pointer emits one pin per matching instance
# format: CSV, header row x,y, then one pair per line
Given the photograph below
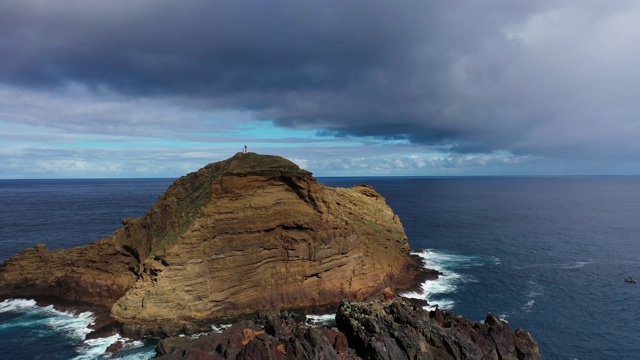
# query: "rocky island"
x,y
248,236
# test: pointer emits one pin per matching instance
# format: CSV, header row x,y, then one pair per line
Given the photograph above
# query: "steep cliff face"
x,y
249,233
95,274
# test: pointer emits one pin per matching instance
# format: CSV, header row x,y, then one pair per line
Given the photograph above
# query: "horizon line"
x,y
342,176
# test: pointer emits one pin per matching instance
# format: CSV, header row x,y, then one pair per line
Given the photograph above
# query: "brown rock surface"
x,y
250,233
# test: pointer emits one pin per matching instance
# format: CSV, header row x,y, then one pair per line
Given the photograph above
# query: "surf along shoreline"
x,y
104,326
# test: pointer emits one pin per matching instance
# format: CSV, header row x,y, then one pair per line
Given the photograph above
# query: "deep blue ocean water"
x,y
548,254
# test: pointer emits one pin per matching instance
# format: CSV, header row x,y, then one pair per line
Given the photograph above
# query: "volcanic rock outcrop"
x,y
394,330
385,330
247,234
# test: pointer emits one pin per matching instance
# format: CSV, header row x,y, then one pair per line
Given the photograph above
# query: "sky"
x,y
159,88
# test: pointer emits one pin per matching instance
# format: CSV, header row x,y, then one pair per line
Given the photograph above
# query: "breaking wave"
x,y
321,319
48,322
435,291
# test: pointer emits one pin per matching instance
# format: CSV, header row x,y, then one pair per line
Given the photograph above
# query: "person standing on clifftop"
x,y
245,150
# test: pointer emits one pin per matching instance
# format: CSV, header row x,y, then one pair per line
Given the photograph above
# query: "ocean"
x,y
547,254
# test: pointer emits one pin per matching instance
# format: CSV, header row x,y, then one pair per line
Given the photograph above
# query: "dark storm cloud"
x,y
467,76
199,46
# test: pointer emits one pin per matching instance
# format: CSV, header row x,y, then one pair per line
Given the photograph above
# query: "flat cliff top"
x,y
253,162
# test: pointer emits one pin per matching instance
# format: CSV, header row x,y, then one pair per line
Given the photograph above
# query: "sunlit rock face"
x,y
250,233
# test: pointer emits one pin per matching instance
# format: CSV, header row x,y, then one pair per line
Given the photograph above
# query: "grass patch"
x,y
171,237
371,224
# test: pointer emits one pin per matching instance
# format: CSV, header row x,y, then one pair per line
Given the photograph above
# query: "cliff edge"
x,y
243,235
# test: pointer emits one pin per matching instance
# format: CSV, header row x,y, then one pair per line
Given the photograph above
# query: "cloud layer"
x,y
466,79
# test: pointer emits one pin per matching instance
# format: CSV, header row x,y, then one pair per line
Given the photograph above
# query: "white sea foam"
x,y
578,264
22,306
218,328
322,319
17,305
534,290
572,265
529,305
448,282
197,335
503,317
133,350
144,355
73,325
132,344
95,348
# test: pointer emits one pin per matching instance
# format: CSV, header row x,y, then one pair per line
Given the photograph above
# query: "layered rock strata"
x,y
392,330
247,234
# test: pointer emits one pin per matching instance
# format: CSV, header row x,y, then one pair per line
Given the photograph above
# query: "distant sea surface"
x,y
547,254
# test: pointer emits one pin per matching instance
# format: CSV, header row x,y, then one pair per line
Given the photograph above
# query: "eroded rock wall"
x,y
271,240
249,233
95,274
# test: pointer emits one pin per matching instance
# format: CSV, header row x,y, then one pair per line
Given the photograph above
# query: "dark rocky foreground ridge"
x,y
247,238
382,329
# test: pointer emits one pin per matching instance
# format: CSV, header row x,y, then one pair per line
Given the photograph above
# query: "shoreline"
x,y
103,325
125,337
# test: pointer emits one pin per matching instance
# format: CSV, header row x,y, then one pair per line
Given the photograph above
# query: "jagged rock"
x,y
395,330
243,235
381,329
280,339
